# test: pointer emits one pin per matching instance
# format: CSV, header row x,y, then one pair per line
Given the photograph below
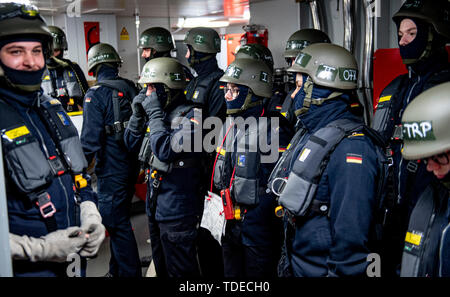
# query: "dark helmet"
x,y
255,51
102,53
157,38
434,12
205,40
302,38
59,38
17,20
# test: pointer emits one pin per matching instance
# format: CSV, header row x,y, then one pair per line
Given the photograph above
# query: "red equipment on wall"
x,y
255,34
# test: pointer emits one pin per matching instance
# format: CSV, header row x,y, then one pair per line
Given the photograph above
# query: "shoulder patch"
x,y
87,100
354,158
354,134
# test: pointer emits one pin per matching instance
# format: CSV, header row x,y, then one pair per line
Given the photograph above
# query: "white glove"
x,y
53,247
91,224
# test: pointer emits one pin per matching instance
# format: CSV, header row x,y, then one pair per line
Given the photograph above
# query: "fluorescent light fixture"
x,y
201,22
26,2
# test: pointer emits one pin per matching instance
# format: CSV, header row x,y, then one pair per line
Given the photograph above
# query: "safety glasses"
x,y
441,159
234,91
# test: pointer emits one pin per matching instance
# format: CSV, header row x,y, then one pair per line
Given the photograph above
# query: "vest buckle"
x,y
46,207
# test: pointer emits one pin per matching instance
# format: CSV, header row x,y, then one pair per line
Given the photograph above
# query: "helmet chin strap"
x,y
247,104
308,87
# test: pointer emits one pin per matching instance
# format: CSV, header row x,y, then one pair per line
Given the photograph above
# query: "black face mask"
x,y
28,81
414,50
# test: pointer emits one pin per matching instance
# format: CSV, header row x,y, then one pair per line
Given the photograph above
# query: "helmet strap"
x,y
247,104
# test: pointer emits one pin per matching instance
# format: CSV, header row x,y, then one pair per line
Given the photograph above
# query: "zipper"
x,y
399,197
441,246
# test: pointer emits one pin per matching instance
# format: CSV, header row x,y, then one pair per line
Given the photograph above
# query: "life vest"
x,y
29,167
197,90
422,249
65,86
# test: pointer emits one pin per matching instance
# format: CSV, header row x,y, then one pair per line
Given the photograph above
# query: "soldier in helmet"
x,y
329,195
107,109
174,180
43,188
296,42
426,137
206,92
157,42
251,244
64,79
423,30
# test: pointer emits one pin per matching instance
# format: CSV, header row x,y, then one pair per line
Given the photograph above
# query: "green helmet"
x,y
59,38
205,40
102,53
328,65
157,38
254,74
434,12
257,52
164,70
17,19
426,122
302,38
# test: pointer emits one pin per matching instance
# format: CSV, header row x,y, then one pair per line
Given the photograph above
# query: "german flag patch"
x,y
354,158
87,100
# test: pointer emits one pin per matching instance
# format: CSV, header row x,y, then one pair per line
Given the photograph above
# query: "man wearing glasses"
x,y
426,250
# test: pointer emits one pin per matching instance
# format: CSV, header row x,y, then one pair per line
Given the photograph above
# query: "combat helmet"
x,y
301,39
255,51
157,38
434,12
167,71
102,53
426,122
205,40
17,20
59,38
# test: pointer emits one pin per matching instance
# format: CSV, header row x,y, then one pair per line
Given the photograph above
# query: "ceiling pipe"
x,y
368,61
138,23
315,14
349,25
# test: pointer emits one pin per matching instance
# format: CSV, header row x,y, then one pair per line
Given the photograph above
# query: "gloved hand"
x,y
152,106
91,224
136,105
53,247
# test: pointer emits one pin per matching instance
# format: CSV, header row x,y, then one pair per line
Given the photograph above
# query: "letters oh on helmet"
x,y
164,70
328,65
426,123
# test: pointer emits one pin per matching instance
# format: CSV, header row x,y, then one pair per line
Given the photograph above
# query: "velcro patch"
x,y
418,131
354,158
17,132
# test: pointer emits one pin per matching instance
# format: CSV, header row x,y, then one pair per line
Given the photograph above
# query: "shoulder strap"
x,y
121,85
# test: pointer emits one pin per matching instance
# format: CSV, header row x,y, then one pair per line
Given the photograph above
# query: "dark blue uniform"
x,y
251,246
336,244
24,217
116,171
409,177
173,217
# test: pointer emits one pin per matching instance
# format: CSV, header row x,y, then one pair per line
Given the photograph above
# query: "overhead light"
x,y
26,2
201,22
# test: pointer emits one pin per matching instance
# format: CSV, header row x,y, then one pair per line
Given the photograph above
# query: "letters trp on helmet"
x,y
205,40
302,38
102,53
59,38
254,74
17,20
426,123
434,12
164,70
328,65
157,38
257,52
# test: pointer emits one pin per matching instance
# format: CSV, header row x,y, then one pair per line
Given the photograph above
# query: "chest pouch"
x,y
247,163
307,170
